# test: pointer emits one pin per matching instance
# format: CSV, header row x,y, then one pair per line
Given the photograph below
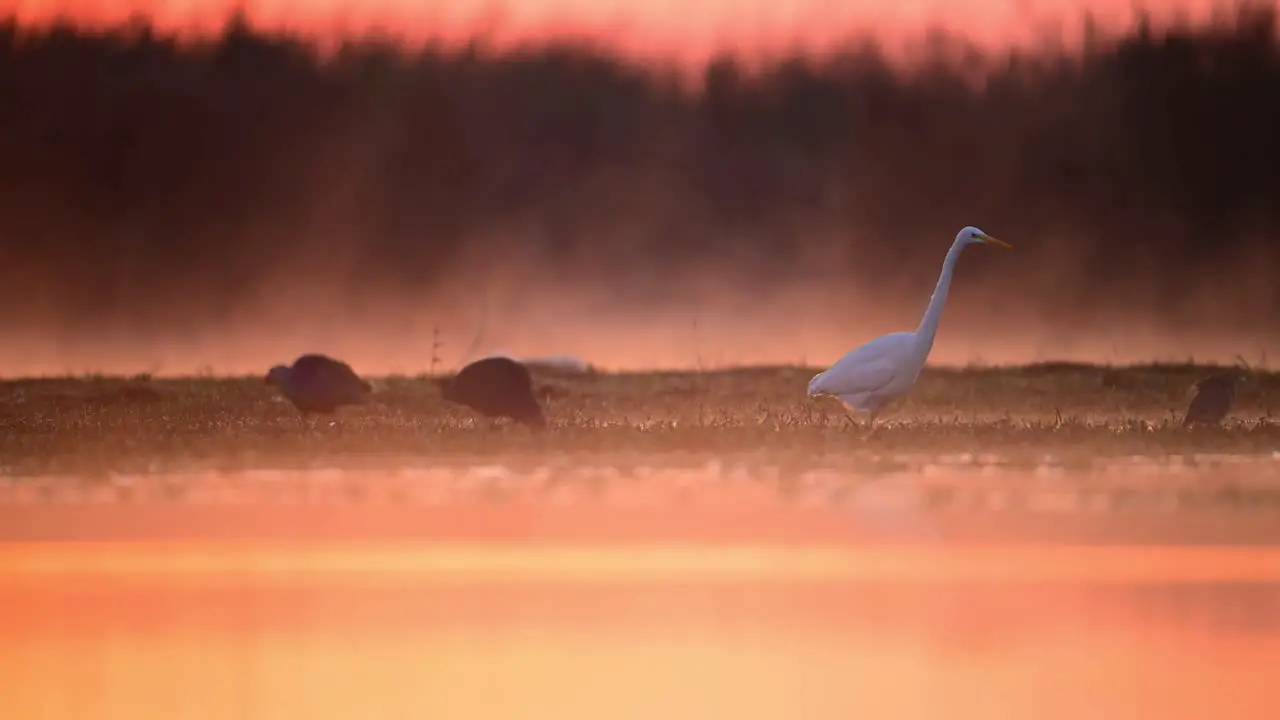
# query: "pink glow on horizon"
x,y
685,31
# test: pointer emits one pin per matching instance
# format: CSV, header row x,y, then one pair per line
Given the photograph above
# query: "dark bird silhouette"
x,y
496,387
1213,398
319,384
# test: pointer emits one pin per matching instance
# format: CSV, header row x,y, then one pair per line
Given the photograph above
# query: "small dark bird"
x,y
1213,398
496,387
319,384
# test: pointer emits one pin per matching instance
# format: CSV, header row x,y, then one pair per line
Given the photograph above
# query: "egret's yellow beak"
x,y
998,243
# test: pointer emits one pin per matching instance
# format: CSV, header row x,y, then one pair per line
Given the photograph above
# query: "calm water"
x,y
321,605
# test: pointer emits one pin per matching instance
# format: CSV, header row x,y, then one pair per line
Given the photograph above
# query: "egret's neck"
x,y
933,314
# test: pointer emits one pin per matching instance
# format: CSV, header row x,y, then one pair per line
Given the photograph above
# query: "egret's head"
x,y
973,236
277,375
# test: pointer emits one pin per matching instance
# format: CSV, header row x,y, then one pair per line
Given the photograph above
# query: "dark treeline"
x,y
156,180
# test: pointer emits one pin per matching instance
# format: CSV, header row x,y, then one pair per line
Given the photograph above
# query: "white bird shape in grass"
x,y
870,376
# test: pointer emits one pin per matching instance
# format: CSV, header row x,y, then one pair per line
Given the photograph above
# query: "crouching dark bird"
x,y
319,384
496,387
1213,398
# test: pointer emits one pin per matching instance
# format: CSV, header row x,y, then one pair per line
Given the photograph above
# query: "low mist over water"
x,y
171,207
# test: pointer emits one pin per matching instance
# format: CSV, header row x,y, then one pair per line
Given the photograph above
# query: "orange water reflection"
x,y
259,641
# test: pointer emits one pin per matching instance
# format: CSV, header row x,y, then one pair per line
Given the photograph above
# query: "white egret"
x,y
870,376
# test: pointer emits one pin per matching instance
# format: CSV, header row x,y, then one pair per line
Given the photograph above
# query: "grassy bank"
x,y
94,424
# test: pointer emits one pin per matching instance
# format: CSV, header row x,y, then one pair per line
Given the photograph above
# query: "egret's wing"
x,y
870,367
872,379
861,373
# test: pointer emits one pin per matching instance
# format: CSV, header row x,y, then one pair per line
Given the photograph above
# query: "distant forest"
x,y
138,172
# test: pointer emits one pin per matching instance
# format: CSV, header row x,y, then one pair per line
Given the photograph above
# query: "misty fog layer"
x,y
169,208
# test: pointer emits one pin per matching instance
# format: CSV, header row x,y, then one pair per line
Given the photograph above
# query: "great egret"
x,y
1213,398
868,377
496,387
318,383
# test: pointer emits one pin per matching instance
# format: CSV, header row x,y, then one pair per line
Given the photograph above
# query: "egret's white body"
x,y
870,376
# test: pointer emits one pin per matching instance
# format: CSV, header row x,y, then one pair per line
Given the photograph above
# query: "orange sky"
x,y
673,28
